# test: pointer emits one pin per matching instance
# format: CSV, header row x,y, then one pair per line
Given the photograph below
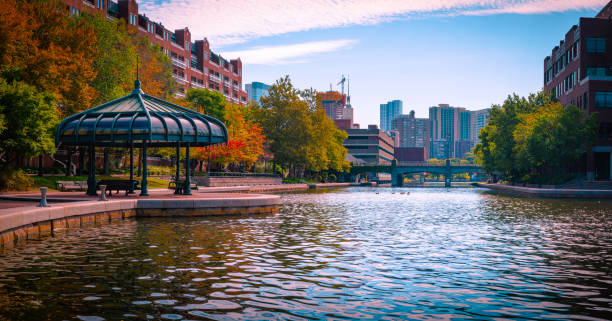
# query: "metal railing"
x,y
235,174
197,85
179,63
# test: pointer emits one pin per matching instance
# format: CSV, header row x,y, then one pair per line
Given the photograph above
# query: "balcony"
x,y
236,88
197,85
214,78
197,71
227,84
179,94
178,63
235,101
179,79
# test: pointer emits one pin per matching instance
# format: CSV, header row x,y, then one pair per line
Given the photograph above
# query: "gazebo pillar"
x,y
91,180
131,165
81,161
187,190
68,161
144,191
178,168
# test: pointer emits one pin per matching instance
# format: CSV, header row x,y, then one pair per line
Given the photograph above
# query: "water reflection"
x,y
353,254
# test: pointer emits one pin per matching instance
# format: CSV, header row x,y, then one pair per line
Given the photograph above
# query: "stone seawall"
x,y
222,181
548,192
27,223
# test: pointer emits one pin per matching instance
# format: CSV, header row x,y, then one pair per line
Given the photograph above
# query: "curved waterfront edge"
x,y
27,223
548,192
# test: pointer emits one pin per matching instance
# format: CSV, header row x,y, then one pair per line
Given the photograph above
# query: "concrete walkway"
x,y
549,192
75,210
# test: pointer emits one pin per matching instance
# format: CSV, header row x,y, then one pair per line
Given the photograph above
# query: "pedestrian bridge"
x,y
399,169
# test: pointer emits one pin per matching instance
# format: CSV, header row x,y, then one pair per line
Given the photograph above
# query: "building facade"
x,y
413,132
333,103
256,90
579,72
371,145
480,118
447,126
389,111
194,64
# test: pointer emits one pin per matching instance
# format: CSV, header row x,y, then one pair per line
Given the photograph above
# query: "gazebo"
x,y
140,120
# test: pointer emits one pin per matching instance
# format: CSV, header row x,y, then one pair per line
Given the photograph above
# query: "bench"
x,y
71,185
181,184
118,184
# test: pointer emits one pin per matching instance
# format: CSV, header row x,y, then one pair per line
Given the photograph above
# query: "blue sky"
x,y
455,51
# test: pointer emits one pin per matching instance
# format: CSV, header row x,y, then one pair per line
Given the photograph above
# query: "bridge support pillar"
x,y
395,177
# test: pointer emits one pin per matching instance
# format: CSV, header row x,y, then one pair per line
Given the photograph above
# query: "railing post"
x,y
102,193
43,197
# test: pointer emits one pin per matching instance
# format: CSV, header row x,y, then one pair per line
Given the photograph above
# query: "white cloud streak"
x,y
235,21
286,54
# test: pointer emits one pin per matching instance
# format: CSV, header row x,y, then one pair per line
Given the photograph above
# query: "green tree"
x,y
299,133
115,58
28,118
207,102
534,139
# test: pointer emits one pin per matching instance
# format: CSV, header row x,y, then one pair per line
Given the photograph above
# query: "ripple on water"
x,y
353,254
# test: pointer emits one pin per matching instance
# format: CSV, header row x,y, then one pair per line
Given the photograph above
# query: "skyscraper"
x,y
413,132
449,131
256,90
389,111
480,118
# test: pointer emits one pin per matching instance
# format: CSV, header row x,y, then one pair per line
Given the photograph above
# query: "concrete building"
x,y
389,111
480,118
371,145
194,64
579,72
256,90
413,132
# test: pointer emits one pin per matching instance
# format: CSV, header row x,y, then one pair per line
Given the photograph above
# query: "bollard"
x,y
43,197
102,193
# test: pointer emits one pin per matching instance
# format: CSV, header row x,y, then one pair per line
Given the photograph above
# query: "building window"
x,y
603,99
596,45
596,71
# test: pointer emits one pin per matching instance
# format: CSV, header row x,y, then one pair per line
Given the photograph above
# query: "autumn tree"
x,y
245,144
298,131
44,46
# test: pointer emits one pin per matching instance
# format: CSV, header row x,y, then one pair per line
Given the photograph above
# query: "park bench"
x,y
71,185
181,184
118,184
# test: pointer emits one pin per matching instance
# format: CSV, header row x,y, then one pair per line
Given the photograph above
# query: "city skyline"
x,y
443,45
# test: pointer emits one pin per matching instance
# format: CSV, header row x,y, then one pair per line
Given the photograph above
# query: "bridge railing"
x,y
419,164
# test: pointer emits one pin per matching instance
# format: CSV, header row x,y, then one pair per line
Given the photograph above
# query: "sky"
x,y
466,53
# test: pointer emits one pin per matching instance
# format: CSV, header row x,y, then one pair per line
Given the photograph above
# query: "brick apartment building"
x,y
194,64
579,72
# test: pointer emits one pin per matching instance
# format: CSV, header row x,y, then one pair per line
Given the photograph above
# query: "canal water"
x,y
359,253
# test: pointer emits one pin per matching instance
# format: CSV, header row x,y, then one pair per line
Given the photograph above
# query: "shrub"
x,y
15,180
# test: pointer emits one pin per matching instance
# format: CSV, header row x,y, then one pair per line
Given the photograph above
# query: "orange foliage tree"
x,y
44,46
246,140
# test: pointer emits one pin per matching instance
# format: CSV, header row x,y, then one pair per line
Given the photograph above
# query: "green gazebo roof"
x,y
137,118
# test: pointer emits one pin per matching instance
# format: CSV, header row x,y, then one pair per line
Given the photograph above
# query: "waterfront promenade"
x,y
576,193
21,219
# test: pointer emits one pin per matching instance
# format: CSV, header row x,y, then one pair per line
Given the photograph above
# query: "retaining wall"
x,y
548,192
27,223
237,181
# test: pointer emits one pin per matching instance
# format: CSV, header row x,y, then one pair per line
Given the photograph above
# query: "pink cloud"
x,y
234,21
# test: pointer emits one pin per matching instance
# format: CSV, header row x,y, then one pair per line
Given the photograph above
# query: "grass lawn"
x,y
49,181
